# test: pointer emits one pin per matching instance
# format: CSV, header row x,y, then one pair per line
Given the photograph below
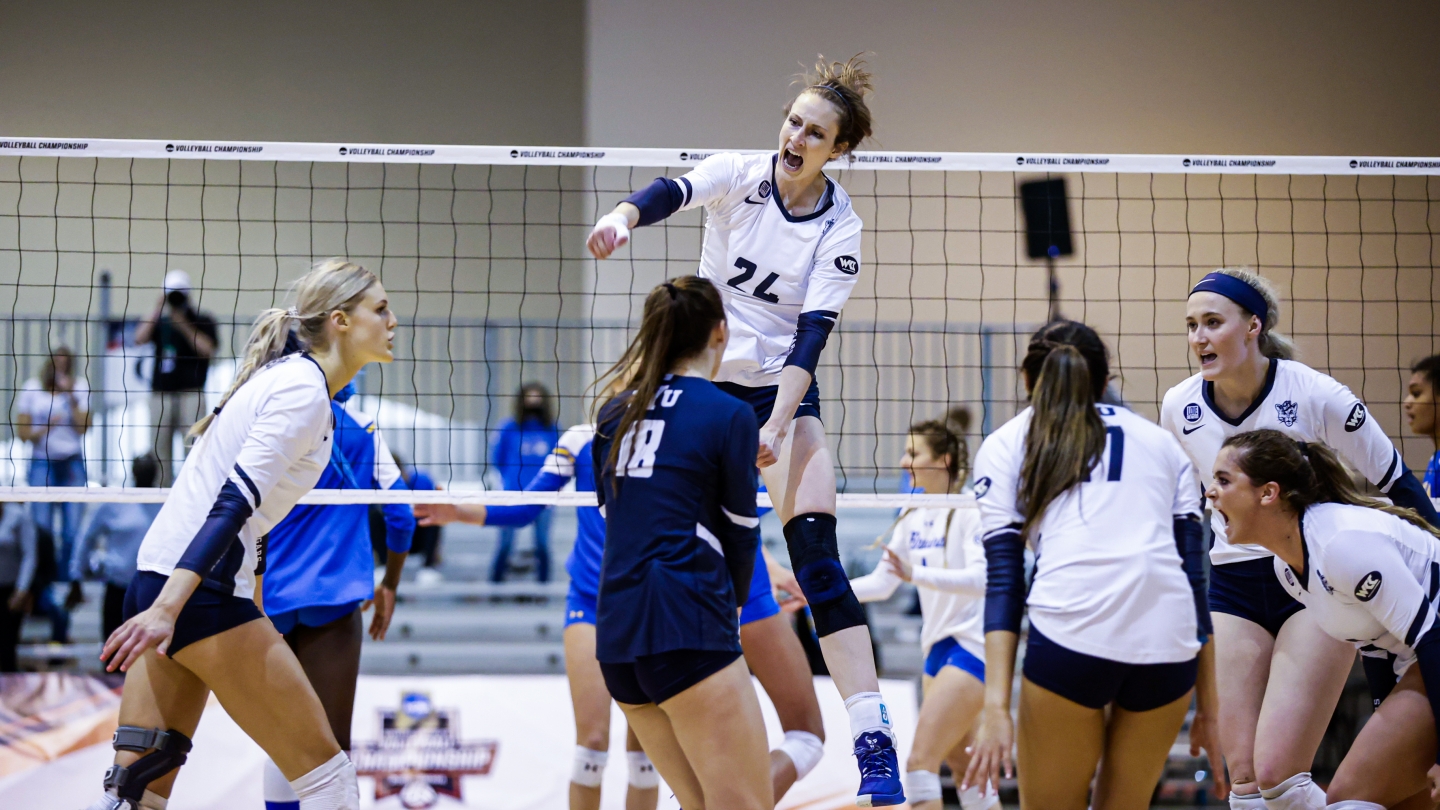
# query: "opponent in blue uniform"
x,y
1419,406
676,480
320,571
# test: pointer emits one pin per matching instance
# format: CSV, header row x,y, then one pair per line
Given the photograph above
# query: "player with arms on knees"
x,y
782,244
1421,392
1369,575
675,467
192,623
772,650
320,574
1248,381
1107,501
938,549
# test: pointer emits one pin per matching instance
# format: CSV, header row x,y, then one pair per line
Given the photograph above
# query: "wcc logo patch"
x,y
1192,412
847,265
1369,586
982,486
1356,419
1287,412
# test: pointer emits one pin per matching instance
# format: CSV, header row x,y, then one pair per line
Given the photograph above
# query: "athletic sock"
x,y
148,801
972,799
107,801
868,713
278,793
1246,801
1298,792
331,786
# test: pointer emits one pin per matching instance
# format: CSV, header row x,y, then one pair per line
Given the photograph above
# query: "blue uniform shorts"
x,y
580,607
1095,682
208,613
1250,590
762,399
947,652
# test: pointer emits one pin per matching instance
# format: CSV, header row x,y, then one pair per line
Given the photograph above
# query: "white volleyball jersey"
x,y
943,546
1298,401
1370,578
768,265
272,439
1109,581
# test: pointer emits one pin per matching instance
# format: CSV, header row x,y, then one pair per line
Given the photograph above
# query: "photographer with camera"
x,y
185,339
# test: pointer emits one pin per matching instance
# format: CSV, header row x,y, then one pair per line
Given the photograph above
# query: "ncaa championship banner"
x,y
474,741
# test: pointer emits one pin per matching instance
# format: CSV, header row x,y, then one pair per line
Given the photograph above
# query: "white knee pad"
x,y
642,770
277,787
331,786
1296,793
972,799
589,770
805,751
1352,804
922,786
1246,801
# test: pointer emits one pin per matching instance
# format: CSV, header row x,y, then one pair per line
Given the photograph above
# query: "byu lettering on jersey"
x,y
681,524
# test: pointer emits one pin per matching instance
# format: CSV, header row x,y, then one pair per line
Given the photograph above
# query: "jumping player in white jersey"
x,y
782,244
1262,636
192,623
1369,575
1107,501
938,549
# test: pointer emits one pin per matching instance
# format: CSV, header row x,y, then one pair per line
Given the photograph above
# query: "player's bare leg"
x,y
1388,761
1136,747
952,703
778,662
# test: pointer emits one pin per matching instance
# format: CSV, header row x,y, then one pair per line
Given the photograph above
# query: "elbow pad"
x,y
811,331
659,200
1004,579
1406,492
217,535
1190,542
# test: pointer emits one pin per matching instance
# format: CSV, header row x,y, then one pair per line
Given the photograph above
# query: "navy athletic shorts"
x,y
762,399
208,613
659,677
1250,590
1095,682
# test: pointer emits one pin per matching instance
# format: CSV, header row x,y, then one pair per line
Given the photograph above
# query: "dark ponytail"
x,y
678,318
1066,369
1307,473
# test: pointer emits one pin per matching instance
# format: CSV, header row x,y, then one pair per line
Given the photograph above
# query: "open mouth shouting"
x,y
792,161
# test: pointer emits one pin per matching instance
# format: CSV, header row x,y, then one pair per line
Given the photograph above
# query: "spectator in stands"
x,y
17,571
185,339
123,526
426,543
526,438
1420,401
53,415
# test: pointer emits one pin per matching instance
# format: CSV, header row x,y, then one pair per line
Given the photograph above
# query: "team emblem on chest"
x,y
1287,412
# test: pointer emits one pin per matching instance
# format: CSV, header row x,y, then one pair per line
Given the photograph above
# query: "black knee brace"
x,y
816,558
168,750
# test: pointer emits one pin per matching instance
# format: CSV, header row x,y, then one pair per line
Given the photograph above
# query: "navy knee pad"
x,y
816,559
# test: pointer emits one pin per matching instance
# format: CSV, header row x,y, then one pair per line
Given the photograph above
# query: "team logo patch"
x,y
847,265
1369,586
982,486
1356,419
1192,412
1289,577
764,190
1287,412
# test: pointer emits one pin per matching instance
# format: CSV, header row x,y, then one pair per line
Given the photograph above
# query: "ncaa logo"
x,y
847,265
982,486
1369,586
1192,412
1356,419
1289,577
1287,412
764,190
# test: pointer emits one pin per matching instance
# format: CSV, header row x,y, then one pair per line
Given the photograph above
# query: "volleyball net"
x,y
481,250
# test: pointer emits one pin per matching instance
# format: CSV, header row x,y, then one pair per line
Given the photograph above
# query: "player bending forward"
x,y
192,625
782,244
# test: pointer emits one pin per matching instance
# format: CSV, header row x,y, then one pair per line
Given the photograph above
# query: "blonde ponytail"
x,y
333,284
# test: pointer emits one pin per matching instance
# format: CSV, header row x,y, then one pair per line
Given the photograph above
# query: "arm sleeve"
x,y
29,554
832,278
880,584
996,471
290,423
658,200
739,530
1407,492
1190,542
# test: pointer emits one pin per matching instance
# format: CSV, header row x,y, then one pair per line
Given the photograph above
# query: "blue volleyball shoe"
x,y
879,771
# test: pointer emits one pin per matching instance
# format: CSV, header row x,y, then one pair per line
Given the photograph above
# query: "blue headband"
x,y
1237,291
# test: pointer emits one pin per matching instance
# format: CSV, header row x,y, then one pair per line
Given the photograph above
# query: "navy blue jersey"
x,y
681,529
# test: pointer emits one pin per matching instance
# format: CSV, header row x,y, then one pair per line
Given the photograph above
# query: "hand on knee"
x,y
1298,792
